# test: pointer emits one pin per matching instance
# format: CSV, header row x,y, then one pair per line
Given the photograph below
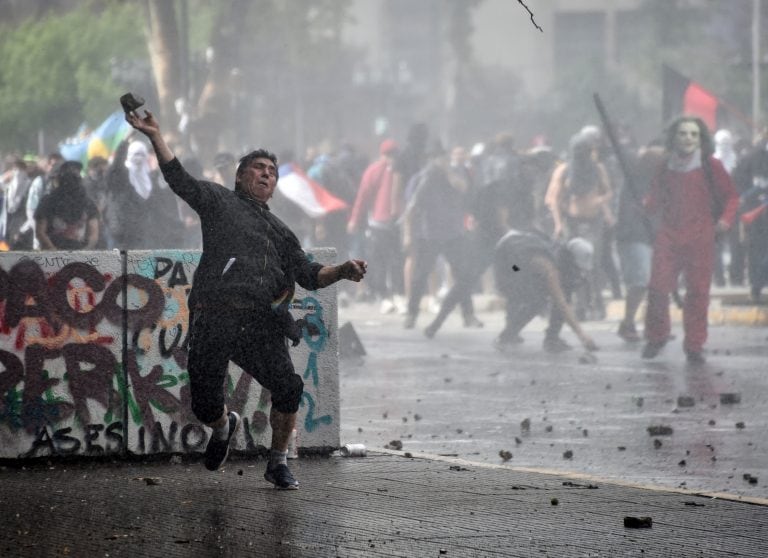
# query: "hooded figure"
x,y
67,219
724,150
137,164
131,189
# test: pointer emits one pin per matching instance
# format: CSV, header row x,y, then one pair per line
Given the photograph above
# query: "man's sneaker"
x,y
501,344
281,477
216,451
472,321
651,350
430,331
387,306
555,345
628,332
696,358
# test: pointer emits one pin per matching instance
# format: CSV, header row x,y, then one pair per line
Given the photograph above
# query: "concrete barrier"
x,y
93,358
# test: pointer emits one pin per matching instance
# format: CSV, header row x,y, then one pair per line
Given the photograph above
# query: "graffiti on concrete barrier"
x,y
74,381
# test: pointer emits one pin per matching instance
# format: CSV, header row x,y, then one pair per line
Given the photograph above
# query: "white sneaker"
x,y
401,305
387,306
442,292
433,305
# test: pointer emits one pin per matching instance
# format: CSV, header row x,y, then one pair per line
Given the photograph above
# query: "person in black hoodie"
x,y
240,296
66,218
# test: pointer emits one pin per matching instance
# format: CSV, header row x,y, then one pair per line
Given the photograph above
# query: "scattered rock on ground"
x,y
525,426
660,430
730,398
638,522
685,401
576,485
149,481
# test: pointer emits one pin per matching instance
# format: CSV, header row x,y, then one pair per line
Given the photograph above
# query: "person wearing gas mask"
x,y
691,199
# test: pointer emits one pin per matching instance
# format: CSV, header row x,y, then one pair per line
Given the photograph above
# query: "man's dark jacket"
x,y
251,259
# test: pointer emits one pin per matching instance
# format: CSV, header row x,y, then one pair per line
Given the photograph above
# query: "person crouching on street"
x,y
532,272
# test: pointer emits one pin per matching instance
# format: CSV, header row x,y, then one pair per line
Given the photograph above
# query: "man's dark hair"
x,y
97,161
245,160
68,168
707,145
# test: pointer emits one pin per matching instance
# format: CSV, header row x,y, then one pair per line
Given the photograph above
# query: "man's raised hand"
x,y
146,125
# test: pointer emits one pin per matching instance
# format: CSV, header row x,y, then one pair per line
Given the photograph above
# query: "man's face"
x,y
687,138
258,179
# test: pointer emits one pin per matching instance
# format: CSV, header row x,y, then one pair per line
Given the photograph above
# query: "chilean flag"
x,y
310,196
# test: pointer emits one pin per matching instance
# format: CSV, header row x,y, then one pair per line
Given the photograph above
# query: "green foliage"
x,y
55,72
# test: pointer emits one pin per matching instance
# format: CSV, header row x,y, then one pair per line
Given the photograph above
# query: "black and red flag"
x,y
682,95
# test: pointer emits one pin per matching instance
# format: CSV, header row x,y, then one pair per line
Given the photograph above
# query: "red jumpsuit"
x,y
685,240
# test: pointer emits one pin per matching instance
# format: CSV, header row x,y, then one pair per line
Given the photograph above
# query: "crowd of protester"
x,y
427,216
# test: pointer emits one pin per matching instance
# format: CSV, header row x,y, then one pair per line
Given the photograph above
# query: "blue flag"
x,y
101,142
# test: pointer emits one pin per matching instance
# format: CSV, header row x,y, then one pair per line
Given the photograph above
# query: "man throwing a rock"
x,y
240,297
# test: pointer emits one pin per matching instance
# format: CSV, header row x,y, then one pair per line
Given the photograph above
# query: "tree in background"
x,y
54,70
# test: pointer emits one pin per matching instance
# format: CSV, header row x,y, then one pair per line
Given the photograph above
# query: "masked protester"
x,y
691,199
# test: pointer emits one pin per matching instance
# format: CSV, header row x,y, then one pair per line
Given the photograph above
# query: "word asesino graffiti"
x,y
67,383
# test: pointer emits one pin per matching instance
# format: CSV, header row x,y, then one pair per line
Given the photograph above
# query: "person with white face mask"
x,y
142,213
130,185
692,198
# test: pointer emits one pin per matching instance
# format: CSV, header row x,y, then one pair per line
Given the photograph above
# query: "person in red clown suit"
x,y
691,199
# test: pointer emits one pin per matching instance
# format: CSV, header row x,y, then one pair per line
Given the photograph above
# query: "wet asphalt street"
x,y
587,430
656,423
